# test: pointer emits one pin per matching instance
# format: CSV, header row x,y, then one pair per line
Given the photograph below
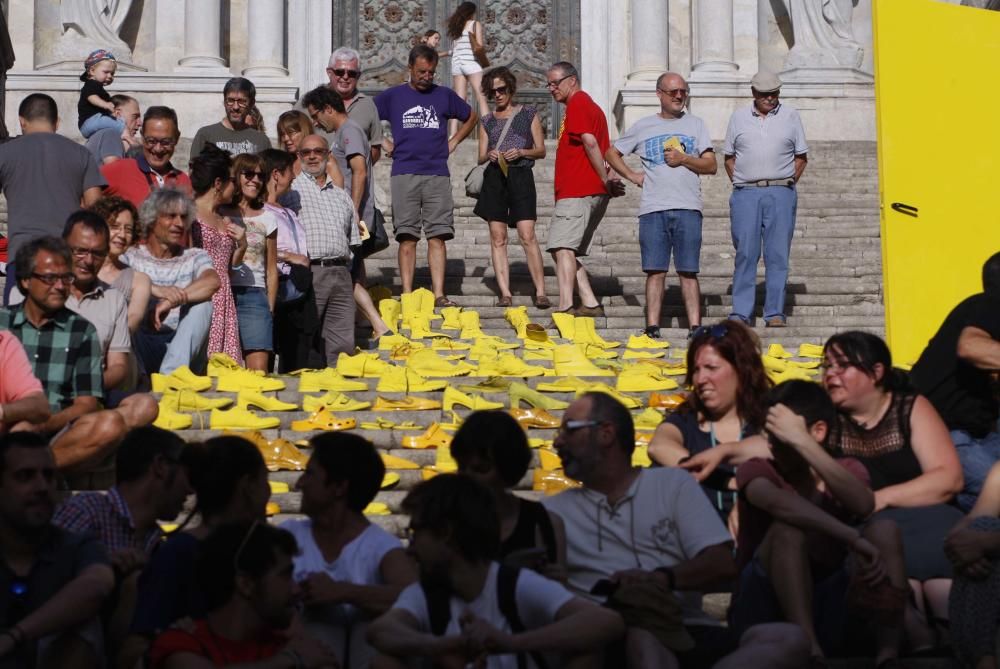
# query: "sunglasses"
x,y
313,152
713,331
251,174
67,279
499,90
683,92
350,74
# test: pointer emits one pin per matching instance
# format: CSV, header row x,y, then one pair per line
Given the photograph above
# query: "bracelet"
x,y
671,577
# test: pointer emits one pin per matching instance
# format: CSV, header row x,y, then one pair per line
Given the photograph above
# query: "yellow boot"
x,y
569,360
565,323
362,364
453,396
470,325
595,351
427,303
168,419
389,309
420,327
429,363
585,333
451,319
518,319
388,342
409,305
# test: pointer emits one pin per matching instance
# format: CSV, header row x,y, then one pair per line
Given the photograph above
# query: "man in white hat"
x,y
765,151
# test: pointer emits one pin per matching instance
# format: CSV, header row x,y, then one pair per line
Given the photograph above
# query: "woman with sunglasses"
x,y
122,219
293,126
507,199
914,467
255,280
718,426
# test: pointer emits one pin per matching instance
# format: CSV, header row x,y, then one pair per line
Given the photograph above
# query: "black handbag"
x,y
378,239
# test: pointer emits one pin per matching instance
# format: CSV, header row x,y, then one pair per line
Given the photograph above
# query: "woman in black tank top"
x,y
492,448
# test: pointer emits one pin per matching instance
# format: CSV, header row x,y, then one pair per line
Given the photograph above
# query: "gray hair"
x,y
158,202
344,53
567,69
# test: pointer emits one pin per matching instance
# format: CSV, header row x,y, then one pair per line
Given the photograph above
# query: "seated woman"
x,y
911,461
123,219
714,430
492,448
973,547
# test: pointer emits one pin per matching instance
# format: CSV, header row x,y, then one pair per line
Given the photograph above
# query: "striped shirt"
x,y
327,215
765,146
105,517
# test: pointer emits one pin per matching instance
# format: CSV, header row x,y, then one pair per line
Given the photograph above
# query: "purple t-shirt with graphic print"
x,y
419,122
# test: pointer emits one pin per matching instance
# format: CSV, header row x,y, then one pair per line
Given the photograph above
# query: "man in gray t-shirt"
x,y
232,134
675,148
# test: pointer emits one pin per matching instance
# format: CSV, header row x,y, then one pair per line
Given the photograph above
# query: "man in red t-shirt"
x,y
583,186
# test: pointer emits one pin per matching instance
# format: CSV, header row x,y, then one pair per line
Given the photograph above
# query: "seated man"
x,y
657,532
796,535
183,282
66,357
369,567
21,395
245,573
467,606
955,372
53,581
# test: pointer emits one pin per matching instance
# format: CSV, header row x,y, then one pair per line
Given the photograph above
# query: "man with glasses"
x,y
675,148
344,71
134,178
232,134
765,151
582,186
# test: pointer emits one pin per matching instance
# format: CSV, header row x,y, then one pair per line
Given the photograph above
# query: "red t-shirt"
x,y
127,179
754,523
218,650
575,176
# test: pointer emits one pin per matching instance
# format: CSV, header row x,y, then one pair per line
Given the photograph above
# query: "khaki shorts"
x,y
422,202
574,222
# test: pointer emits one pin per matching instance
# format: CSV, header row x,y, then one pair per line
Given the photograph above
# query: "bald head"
x,y
313,151
672,90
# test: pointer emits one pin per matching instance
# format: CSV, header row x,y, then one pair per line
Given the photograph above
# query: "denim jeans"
x,y
757,214
165,351
977,457
101,122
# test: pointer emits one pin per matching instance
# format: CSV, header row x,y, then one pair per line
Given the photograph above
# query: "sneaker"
x,y
243,380
647,340
652,331
241,419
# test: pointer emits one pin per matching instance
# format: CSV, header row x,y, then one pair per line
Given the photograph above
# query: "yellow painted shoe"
x,y
638,382
507,364
643,355
451,319
640,457
389,309
426,305
584,331
243,379
569,360
333,401
549,460
645,341
778,351
406,380
248,398
325,420
520,392
282,455
241,419
627,401
810,351
168,419
181,378
538,418
396,462
664,401
538,442
409,305
220,364
377,509
544,355
535,336
386,424
595,352
272,509
455,422
679,353
498,342
278,487
566,384
389,342
430,364
453,396
362,364
409,403
443,464
790,374
518,319
189,400
403,352
442,344
552,483
649,419
420,328
327,379
434,437
565,323
491,384
470,325
772,364
389,481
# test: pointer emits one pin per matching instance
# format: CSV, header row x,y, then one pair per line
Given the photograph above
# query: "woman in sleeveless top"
x,y
121,217
912,462
492,448
717,427
465,71
508,197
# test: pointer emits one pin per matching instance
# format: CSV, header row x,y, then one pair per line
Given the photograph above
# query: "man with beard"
x,y
232,134
53,581
245,573
470,609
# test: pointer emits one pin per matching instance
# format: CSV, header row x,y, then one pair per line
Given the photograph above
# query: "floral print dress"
x,y
224,335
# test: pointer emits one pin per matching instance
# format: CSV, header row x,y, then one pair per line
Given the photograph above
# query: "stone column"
x,y
202,34
713,22
649,39
266,38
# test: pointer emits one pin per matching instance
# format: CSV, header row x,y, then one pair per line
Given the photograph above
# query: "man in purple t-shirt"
x,y
421,184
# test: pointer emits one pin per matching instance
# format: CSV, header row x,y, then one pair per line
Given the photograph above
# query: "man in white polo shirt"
x,y
765,152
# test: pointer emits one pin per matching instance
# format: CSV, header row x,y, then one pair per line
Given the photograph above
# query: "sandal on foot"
x,y
443,301
541,302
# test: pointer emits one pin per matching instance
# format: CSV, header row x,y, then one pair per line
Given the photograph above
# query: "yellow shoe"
x,y
507,364
498,343
596,352
453,396
627,401
772,364
389,481
679,353
241,419
640,456
539,418
814,364
271,509
386,424
377,509
567,384
549,460
362,364
389,309
535,336
389,342
470,325
220,364
810,351
282,455
434,437
638,382
778,351
396,462
454,424
325,420
569,360
518,319
248,398
181,378
451,319
538,442
333,401
443,344
551,483
189,400
328,379
520,392
643,355
545,355
168,419
420,328
565,323
645,341
403,352
668,402
429,363
426,303
409,305
278,487
243,379
409,403
406,380
585,332
492,384
790,374
649,419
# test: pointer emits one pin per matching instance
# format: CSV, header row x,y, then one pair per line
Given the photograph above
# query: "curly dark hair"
x,y
109,206
740,347
509,80
456,21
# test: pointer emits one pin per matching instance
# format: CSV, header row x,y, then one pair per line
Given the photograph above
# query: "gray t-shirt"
x,y
764,146
667,187
362,111
43,176
105,144
247,140
349,141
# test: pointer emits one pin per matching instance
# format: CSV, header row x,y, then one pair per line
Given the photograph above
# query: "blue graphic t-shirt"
x,y
420,127
666,187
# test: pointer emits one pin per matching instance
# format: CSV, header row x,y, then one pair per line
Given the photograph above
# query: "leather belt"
x,y
762,183
330,262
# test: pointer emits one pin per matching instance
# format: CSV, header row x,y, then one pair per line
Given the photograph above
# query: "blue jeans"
x,y
977,457
100,122
766,213
167,350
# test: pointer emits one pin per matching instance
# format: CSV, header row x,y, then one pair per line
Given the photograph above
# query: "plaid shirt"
x,y
327,214
65,354
106,518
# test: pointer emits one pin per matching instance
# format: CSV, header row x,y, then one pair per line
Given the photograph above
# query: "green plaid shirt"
x,y
65,354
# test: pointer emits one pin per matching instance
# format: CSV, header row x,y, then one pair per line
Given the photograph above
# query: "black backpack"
x,y
440,611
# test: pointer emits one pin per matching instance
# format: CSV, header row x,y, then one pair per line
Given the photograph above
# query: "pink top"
x,y
17,380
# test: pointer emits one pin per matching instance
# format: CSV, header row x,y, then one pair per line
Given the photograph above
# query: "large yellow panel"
x,y
937,94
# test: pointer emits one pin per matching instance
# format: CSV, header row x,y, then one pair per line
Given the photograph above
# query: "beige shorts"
x,y
574,222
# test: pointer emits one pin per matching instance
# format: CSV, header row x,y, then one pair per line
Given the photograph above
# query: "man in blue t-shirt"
x,y
421,183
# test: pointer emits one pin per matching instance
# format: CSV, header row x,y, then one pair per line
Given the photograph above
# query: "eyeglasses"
x,y
67,279
124,229
571,426
251,174
833,367
305,153
499,90
714,331
683,92
340,72
80,252
165,142
237,102
552,85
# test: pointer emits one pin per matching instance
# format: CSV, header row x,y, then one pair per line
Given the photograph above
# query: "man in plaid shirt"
x,y
65,354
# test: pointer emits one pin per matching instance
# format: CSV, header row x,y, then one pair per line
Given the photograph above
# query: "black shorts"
x,y
507,199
